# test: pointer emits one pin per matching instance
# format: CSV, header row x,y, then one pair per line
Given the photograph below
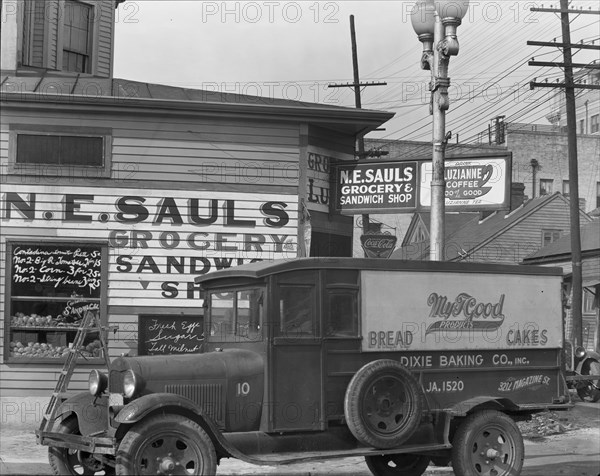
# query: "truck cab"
x,y
400,362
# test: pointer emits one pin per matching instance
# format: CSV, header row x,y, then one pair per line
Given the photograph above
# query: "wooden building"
x,y
558,254
505,236
116,195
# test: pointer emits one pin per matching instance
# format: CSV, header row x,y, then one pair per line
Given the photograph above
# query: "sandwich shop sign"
x,y
472,183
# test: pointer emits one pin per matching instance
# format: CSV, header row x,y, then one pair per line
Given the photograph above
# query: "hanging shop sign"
x,y
378,245
472,184
375,187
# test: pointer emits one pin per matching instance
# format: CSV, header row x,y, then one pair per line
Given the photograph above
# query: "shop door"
x,y
296,361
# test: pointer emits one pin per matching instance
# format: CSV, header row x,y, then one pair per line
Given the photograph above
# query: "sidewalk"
x,y
575,453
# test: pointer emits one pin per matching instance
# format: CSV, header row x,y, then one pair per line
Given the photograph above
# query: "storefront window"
x,y
51,288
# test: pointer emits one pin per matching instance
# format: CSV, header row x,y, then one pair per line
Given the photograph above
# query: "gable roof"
x,y
43,86
420,250
473,234
560,250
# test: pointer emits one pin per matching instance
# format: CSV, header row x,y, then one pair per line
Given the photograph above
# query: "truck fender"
x,y
91,412
146,404
465,407
169,402
590,356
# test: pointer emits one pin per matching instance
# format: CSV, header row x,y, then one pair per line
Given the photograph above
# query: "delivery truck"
x,y
400,362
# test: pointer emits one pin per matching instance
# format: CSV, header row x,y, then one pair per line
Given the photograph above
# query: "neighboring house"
x,y
499,237
558,253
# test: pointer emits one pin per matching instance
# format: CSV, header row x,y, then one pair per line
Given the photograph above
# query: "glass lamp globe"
x,y
422,17
452,8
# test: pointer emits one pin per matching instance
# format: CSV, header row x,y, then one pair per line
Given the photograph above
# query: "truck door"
x,y
296,365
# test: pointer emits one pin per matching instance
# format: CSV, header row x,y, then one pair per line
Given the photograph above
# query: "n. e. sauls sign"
x,y
375,187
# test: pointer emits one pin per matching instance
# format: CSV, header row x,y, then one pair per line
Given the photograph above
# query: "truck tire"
x,y
404,464
587,390
383,404
487,442
64,461
166,444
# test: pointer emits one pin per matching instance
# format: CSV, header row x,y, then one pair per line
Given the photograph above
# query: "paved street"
x,y
574,453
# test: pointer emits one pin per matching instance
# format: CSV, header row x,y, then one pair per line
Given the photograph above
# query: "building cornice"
x,y
349,120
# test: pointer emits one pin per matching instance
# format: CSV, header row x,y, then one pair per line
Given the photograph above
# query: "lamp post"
x,y
436,22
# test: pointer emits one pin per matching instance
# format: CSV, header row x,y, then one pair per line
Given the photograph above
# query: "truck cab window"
x,y
297,311
342,314
249,306
236,316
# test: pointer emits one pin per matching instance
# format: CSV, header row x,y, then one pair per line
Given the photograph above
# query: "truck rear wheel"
x,y
166,444
403,464
487,442
383,404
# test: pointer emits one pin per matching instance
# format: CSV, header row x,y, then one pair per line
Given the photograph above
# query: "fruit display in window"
x,y
40,349
34,320
37,349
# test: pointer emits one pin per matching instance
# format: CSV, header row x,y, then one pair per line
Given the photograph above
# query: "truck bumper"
x,y
90,444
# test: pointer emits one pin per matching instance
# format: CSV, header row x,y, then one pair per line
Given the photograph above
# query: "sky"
x,y
296,49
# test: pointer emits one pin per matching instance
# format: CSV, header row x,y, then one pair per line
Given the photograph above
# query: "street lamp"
x,y
435,23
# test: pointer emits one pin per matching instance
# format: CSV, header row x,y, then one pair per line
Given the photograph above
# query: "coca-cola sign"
x,y
378,245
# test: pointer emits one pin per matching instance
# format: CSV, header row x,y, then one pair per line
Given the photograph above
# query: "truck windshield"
x,y
236,316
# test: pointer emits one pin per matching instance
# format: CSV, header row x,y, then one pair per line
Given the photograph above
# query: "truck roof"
x,y
262,269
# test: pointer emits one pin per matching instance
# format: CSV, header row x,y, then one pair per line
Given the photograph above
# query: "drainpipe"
x,y
586,116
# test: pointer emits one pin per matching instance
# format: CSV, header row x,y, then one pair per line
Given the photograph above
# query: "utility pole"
x,y
356,85
569,85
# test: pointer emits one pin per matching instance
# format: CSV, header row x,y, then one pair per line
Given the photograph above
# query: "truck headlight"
x,y
97,383
580,352
132,384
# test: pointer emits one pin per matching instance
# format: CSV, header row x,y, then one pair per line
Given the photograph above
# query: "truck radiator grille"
x,y
207,396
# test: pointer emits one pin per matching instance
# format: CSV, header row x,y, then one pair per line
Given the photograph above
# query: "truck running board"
x,y
301,457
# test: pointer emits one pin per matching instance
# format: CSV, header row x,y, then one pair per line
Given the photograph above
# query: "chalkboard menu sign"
x,y
160,335
56,270
52,286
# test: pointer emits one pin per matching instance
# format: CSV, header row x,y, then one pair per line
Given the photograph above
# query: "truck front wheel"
x,y
487,442
166,444
404,464
64,461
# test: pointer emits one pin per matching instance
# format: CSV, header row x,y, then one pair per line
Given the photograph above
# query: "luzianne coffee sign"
x,y
471,184
375,186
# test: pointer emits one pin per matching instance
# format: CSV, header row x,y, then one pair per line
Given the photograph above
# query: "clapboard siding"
x,y
104,34
37,36
38,380
525,237
176,128
145,150
54,60
154,265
